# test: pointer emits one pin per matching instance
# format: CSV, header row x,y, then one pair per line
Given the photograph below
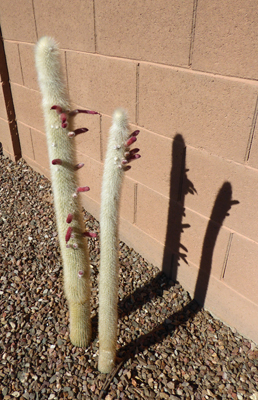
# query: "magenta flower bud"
x,y
90,234
68,234
134,151
135,157
57,161
57,108
130,141
127,168
78,166
63,117
82,189
69,218
135,133
124,162
80,130
64,124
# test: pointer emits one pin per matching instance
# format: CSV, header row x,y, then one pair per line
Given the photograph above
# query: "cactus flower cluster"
x,y
66,192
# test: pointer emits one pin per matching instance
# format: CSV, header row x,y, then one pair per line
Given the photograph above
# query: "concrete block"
x,y
5,138
39,142
241,269
205,243
226,38
208,174
223,302
17,20
72,25
209,112
152,212
145,30
253,156
101,83
3,113
13,62
90,175
27,104
26,140
27,58
147,246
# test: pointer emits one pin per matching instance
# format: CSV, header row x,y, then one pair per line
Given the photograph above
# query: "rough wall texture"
x,y
187,73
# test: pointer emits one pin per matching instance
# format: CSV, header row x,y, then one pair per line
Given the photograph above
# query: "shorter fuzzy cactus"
x,y
114,167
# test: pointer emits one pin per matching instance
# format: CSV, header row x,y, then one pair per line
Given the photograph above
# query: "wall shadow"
x,y
221,207
220,211
180,186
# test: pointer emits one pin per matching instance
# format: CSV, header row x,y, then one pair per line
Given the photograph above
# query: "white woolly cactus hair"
x,y
60,140
117,158
50,78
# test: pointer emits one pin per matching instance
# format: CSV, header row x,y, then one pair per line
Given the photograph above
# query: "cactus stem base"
x,y
80,324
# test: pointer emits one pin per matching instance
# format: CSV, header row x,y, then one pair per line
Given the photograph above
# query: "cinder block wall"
x,y
187,73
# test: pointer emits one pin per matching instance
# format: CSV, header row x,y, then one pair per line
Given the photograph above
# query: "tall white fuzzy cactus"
x,y
72,238
117,158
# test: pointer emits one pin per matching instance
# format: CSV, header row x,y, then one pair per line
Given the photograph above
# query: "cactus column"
x,y
117,158
60,141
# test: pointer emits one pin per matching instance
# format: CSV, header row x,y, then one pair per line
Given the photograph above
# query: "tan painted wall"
x,y
187,73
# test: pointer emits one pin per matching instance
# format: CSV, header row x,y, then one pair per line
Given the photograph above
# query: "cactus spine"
x,y
110,198
61,152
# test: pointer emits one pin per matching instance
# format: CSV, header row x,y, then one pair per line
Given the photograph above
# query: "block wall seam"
x,y
18,46
137,93
101,140
224,266
135,203
252,132
194,20
94,26
35,21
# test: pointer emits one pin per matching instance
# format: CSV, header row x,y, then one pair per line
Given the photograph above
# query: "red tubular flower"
x,y
68,234
135,133
130,141
63,117
82,189
133,151
75,112
90,234
69,218
57,108
135,157
78,166
57,161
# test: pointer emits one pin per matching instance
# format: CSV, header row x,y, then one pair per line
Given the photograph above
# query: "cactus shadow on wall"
x,y
220,211
180,186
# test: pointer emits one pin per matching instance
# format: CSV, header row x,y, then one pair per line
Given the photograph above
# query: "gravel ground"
x,y
167,347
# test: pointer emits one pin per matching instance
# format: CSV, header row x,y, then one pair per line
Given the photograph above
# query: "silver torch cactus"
x,y
118,157
66,192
